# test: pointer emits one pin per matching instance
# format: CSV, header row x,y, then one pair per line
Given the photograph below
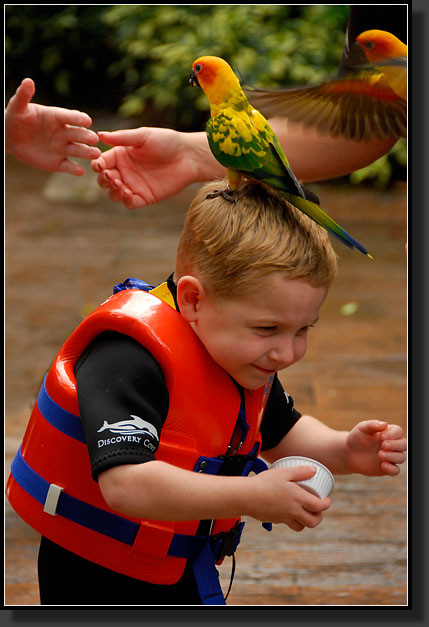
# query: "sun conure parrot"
x,y
241,140
369,101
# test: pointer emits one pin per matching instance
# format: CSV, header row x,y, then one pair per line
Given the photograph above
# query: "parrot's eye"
x,y
369,45
198,67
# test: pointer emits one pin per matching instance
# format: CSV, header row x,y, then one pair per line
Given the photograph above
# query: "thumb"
x,y
23,95
372,426
128,137
299,473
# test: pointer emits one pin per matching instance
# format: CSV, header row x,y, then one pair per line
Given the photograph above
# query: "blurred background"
x,y
67,244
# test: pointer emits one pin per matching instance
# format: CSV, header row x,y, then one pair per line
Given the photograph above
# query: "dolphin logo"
x,y
131,427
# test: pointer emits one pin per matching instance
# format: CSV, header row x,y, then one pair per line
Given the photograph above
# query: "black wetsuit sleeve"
x,y
123,401
279,417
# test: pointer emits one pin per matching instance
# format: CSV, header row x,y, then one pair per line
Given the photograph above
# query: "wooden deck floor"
x,y
61,260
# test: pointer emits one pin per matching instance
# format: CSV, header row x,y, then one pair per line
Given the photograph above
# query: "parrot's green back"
x,y
244,141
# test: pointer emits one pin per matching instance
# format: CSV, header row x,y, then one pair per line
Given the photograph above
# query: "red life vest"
x,y
204,404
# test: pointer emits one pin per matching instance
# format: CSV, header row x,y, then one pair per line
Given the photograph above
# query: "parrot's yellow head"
x,y
379,45
216,79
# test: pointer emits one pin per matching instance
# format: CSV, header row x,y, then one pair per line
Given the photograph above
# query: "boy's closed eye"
x,y
266,328
305,329
270,329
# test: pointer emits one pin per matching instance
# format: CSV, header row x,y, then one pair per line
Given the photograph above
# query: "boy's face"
x,y
264,331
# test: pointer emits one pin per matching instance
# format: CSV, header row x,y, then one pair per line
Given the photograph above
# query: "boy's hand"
x,y
279,499
375,448
45,137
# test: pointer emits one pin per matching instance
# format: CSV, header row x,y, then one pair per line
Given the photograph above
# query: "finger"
x,y
390,469
372,426
394,445
81,135
82,151
311,520
123,194
296,526
325,504
135,201
99,165
115,186
107,161
299,473
71,167
72,117
129,137
23,95
127,194
393,458
393,432
317,505
105,178
115,194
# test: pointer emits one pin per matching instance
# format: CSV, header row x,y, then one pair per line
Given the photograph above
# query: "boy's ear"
x,y
190,294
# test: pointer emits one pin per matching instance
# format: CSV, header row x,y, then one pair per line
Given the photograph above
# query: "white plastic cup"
x,y
321,484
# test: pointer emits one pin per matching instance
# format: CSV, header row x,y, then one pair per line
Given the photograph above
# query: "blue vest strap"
x,y
207,576
59,418
132,284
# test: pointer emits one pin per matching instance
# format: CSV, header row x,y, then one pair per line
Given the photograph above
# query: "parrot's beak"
x,y
193,79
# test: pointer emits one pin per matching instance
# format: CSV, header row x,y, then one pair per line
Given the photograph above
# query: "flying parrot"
x,y
241,140
368,101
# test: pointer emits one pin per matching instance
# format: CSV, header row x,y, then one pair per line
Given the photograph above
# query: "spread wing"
x,y
360,106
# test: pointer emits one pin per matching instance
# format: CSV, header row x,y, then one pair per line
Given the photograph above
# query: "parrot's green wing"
x,y
240,144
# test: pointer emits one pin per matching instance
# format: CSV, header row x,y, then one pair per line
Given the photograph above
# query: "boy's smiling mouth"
x,y
264,370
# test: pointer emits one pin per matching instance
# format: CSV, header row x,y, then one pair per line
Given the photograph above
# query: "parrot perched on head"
x,y
368,101
241,140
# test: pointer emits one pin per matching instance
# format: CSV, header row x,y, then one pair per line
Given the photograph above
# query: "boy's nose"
x,y
283,355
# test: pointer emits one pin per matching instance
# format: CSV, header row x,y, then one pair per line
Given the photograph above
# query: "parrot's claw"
x,y
226,193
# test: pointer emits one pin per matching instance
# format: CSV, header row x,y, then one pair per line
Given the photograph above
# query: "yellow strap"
x,y
162,292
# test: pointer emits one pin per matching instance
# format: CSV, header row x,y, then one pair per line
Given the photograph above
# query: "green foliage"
x,y
390,167
65,49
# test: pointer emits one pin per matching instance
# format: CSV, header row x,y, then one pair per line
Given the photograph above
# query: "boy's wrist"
x,y
342,458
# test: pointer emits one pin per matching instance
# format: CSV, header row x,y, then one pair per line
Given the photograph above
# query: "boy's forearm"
x,y
160,491
311,438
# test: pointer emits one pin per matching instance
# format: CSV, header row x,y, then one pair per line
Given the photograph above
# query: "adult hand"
x,y
150,164
46,137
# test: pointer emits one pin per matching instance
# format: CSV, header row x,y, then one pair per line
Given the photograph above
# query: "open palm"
x,y
146,165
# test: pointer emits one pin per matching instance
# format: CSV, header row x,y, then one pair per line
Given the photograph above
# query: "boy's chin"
x,y
253,381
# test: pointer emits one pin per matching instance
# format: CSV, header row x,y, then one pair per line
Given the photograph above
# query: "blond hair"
x,y
231,247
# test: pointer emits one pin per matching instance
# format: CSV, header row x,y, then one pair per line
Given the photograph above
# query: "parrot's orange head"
x,y
215,77
379,45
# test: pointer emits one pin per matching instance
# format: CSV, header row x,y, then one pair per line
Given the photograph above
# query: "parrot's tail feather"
x,y
314,212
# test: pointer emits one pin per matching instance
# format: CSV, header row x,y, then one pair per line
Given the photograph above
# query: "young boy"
x,y
174,395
